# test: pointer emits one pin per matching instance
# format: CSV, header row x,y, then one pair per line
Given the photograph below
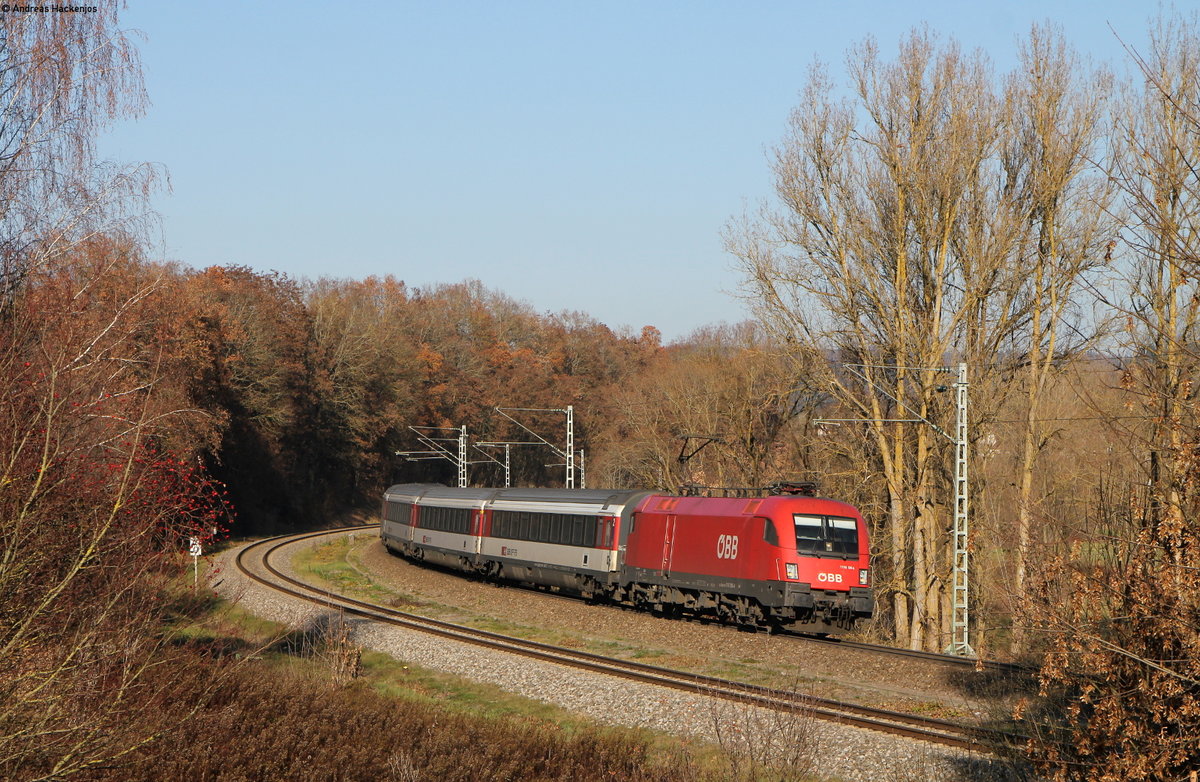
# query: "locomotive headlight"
x,y
793,571
862,577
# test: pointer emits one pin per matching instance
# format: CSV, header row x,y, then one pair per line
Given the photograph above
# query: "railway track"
x,y
801,637
947,659
895,723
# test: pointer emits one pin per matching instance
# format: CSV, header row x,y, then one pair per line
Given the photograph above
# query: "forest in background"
x,y
1038,225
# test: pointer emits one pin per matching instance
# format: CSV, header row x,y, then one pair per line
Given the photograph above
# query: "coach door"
x,y
668,544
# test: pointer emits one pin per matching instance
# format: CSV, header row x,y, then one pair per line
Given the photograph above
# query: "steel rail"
x,y
891,722
800,636
948,659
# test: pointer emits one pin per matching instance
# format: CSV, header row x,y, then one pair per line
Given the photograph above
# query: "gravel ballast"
x,y
831,750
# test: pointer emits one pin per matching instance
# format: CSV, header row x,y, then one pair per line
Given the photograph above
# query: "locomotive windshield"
x,y
826,535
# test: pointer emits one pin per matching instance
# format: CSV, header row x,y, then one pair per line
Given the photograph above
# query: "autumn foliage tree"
x,y
257,376
367,378
94,508
97,483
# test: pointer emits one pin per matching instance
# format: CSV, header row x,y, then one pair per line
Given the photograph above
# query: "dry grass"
x,y
231,699
259,725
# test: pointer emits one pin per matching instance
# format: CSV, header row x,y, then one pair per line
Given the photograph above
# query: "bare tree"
x,y
63,77
892,254
930,218
1053,132
1158,174
714,410
1121,680
90,506
91,509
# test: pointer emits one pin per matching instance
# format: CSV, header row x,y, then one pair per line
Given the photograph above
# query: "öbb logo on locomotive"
x,y
769,561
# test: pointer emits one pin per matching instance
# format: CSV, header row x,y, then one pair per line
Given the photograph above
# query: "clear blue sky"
x,y
576,155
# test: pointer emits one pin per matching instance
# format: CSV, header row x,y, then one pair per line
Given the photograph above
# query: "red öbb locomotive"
x,y
785,560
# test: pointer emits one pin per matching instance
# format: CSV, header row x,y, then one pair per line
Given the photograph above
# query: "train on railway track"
x,y
786,560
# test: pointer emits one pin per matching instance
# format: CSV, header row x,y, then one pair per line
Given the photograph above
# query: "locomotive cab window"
x,y
831,536
843,534
810,535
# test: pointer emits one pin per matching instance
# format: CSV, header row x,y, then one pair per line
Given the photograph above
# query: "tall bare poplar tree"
x,y
931,218
890,256
1120,685
1051,154
1158,173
